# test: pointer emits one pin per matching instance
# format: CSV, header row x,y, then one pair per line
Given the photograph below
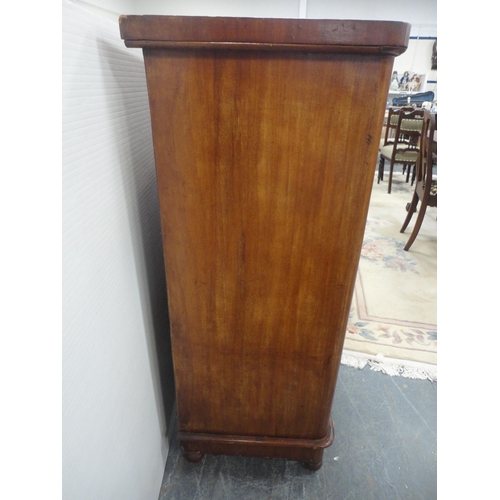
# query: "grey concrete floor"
x,y
385,448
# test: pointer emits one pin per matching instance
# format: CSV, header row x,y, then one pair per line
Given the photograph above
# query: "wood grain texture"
x,y
265,162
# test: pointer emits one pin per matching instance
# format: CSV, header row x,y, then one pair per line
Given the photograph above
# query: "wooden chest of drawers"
x,y
266,133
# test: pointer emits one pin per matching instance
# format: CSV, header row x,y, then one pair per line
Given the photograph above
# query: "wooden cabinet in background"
x,y
266,133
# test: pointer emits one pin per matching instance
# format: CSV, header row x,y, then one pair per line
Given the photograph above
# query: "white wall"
x,y
110,9
422,14
417,59
231,8
117,375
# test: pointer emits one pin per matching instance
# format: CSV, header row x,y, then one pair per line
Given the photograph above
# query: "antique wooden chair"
x,y
392,124
425,185
402,147
389,133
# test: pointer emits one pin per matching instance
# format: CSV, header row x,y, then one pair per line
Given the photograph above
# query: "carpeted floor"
x,y
393,321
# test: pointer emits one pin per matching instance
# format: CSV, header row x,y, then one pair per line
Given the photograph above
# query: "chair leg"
x,y
380,170
418,223
411,208
391,169
408,173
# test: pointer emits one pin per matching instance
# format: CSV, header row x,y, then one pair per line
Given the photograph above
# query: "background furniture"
x,y
403,145
265,132
425,186
415,99
391,124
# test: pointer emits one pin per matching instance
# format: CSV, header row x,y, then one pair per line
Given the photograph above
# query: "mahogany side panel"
x,y
265,161
264,170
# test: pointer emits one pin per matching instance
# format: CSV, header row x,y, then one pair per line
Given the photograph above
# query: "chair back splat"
x,y
392,124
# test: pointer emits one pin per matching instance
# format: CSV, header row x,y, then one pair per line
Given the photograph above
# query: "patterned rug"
x,y
392,324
